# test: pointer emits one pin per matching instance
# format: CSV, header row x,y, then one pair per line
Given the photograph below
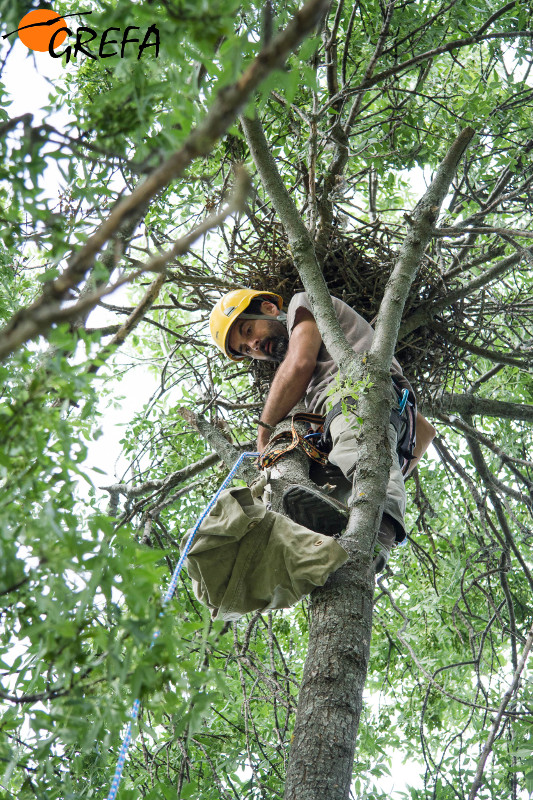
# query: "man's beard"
x,y
275,345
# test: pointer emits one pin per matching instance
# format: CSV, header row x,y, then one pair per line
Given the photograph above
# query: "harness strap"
x,y
402,417
286,441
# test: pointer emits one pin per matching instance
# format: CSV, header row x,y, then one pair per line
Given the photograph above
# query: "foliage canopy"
x,y
358,119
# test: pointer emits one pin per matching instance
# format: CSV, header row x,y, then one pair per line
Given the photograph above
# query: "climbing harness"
x,y
286,441
168,596
318,444
402,417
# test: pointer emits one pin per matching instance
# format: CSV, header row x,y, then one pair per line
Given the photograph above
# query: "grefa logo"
x,y
44,30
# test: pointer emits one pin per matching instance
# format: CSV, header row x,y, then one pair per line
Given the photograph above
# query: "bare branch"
x,y
427,55
460,424
450,403
426,313
131,323
174,479
492,355
478,778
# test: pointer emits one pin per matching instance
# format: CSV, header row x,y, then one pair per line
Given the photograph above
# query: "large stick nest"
x,y
356,267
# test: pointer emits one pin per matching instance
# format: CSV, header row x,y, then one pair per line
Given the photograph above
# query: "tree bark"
x,y
330,702
466,404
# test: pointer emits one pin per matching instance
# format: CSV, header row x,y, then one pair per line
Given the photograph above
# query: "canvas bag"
x,y
245,558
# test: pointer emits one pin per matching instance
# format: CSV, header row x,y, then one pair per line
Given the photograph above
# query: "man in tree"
x,y
251,324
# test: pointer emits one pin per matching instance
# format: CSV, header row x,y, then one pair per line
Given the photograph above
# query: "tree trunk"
x,y
330,702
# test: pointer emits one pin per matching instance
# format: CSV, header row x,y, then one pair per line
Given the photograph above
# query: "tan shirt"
x,y
358,333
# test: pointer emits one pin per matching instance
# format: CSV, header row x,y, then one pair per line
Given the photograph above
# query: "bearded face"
x,y
275,345
263,339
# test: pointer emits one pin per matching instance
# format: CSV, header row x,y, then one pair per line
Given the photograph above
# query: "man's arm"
x,y
293,375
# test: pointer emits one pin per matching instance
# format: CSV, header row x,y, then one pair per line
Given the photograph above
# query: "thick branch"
x,y
410,257
164,484
484,229
300,242
214,437
110,258
465,404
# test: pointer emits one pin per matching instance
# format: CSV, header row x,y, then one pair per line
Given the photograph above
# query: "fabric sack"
x,y
245,558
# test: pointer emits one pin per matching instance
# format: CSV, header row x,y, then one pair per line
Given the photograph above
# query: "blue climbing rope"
x,y
168,596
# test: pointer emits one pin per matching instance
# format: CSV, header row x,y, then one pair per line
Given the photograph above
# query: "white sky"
x,y
26,76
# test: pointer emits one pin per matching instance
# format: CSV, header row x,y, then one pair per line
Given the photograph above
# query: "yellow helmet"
x,y
226,311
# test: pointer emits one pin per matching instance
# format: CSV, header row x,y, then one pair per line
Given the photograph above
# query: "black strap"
x,y
404,424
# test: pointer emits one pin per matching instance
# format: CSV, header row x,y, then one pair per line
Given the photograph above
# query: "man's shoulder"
x,y
301,300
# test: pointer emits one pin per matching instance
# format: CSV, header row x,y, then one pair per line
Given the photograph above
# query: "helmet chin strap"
x,y
280,318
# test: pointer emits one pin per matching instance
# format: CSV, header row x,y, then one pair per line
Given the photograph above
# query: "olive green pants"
x,y
342,456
